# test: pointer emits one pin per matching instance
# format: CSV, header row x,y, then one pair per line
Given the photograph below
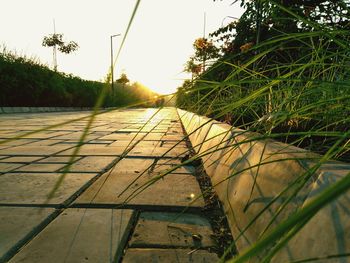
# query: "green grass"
x,y
295,88
310,95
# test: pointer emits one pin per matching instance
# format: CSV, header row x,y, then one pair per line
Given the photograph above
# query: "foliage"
x,y
204,50
54,40
27,82
284,72
264,20
295,80
123,79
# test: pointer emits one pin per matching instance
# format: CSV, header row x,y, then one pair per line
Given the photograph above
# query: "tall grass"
x,y
294,87
309,94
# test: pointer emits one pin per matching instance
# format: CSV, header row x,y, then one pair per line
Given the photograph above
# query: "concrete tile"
x,y
80,235
17,142
169,161
173,137
152,255
154,136
123,143
40,167
100,142
170,144
21,159
3,147
96,150
58,159
44,142
76,135
172,190
33,150
40,135
123,136
160,152
18,222
7,167
32,188
152,144
172,230
185,169
92,164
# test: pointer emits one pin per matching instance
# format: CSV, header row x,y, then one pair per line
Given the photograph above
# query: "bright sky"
x,y
157,47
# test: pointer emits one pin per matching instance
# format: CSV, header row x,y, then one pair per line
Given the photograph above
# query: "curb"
x,y
248,172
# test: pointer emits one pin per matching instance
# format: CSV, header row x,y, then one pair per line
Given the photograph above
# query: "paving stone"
x,y
172,190
92,164
44,142
172,229
103,129
33,150
167,161
158,152
3,147
174,137
80,235
123,136
40,167
96,150
18,222
32,188
21,159
41,135
100,142
123,143
17,142
6,167
76,136
58,159
170,144
136,255
185,169
152,144
154,136
84,235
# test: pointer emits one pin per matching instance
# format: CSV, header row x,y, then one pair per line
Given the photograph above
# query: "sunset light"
x,y
157,47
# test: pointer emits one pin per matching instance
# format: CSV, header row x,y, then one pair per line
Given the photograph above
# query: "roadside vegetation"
x,y
283,68
27,82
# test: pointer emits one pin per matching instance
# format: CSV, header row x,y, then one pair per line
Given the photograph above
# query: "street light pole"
x,y
112,75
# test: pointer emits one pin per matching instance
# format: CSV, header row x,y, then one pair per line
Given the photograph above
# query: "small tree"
x,y
193,67
123,79
56,40
204,50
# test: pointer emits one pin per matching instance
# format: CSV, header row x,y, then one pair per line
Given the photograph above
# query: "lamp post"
x,y
112,59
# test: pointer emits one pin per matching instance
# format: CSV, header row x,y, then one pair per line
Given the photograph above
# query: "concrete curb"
x,y
248,172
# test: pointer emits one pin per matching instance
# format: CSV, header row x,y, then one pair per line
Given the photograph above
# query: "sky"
x,y
158,44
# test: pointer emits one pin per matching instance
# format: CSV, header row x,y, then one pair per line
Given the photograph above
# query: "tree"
x,y
123,79
56,40
204,50
263,20
192,67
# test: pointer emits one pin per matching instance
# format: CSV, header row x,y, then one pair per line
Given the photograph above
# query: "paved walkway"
x,y
99,213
